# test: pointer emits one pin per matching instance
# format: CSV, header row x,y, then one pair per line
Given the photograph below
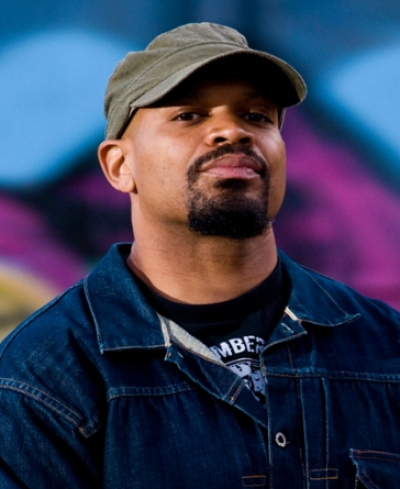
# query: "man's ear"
x,y
114,166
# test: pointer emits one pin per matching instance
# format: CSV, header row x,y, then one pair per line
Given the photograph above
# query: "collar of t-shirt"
x,y
256,311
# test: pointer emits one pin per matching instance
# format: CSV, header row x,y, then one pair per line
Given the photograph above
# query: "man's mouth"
x,y
232,166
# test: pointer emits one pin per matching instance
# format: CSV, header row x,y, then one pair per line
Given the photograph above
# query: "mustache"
x,y
226,149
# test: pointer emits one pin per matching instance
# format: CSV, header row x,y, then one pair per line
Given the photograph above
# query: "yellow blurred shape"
x,y
21,293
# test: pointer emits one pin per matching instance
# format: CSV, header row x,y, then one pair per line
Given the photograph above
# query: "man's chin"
x,y
235,223
234,210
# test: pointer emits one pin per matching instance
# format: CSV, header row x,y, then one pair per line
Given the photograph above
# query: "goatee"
x,y
231,214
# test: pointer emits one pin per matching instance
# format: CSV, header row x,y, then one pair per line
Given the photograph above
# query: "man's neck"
x,y
202,270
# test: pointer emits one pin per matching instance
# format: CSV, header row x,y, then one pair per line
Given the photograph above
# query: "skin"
x,y
151,162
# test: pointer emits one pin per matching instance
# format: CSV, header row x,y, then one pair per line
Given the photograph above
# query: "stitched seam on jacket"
x,y
234,396
89,303
382,459
378,378
363,477
247,480
331,474
299,418
51,403
43,398
376,452
316,282
228,394
168,390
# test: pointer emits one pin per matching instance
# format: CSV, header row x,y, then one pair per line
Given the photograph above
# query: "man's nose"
x,y
229,129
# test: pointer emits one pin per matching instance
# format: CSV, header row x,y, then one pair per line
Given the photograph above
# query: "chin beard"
x,y
231,214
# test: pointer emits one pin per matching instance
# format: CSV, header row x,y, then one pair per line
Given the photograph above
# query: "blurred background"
x,y
58,215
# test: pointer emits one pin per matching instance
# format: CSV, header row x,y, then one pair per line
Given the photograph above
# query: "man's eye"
x,y
257,117
188,116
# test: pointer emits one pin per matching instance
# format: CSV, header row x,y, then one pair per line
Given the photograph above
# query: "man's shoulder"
x,y
68,311
50,360
57,335
51,394
349,297
70,315
320,294
346,331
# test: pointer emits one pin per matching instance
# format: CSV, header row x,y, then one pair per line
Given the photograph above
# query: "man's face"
x,y
209,157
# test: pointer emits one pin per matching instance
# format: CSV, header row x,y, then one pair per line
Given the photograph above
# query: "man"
x,y
200,357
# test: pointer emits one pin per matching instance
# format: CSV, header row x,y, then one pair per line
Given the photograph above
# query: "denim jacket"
x,y
98,391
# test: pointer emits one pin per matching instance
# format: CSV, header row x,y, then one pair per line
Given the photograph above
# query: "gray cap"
x,y
144,77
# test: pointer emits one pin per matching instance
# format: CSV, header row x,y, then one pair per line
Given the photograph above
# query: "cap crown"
x,y
203,33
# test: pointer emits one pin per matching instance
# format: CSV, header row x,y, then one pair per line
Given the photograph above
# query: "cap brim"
x,y
291,93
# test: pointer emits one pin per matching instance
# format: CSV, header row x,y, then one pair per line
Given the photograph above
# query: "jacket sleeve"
x,y
52,397
40,447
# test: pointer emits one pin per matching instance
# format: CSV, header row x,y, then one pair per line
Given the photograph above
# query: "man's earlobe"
x,y
114,165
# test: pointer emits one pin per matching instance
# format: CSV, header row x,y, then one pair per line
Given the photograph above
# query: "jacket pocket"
x,y
375,469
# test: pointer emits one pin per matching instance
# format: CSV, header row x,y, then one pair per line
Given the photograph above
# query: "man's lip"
x,y
232,161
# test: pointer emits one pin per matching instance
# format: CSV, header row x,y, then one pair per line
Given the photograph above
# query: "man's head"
x,y
144,77
193,131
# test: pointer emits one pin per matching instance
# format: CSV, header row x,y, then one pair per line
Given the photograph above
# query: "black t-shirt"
x,y
235,330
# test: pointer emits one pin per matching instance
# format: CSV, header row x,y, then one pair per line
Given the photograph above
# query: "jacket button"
x,y
280,440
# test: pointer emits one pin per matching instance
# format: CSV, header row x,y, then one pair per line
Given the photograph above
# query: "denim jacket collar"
x,y
118,306
309,301
120,310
